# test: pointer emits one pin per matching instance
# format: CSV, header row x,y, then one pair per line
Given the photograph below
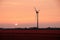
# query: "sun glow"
x,y
16,24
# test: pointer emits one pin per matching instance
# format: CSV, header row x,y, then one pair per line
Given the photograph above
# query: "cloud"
x,y
11,3
0,2
58,2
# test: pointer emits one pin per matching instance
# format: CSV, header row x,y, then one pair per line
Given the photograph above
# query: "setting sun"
x,y
16,24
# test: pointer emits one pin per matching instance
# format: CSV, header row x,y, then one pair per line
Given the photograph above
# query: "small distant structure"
x,y
37,12
49,27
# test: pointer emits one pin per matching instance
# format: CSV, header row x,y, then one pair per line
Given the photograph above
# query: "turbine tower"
x,y
37,12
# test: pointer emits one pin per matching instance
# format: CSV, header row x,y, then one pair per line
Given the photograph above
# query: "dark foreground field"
x,y
29,34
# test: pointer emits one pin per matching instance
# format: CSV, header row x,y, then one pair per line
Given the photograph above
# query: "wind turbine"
x,y
37,12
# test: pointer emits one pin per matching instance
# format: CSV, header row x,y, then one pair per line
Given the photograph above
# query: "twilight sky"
x,y
22,12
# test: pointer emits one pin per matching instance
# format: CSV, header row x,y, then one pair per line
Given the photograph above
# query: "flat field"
x,y
30,34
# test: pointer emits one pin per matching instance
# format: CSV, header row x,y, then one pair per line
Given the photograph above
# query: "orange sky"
x,y
22,11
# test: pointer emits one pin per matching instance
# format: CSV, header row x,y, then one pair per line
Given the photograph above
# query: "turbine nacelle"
x,y
37,11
